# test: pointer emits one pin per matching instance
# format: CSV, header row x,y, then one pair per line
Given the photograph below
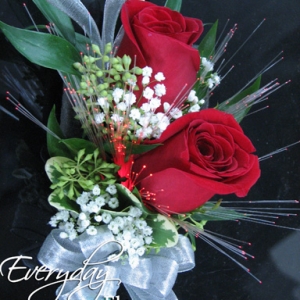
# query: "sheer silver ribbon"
x,y
95,274
77,11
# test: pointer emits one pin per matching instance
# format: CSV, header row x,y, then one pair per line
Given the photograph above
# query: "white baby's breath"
x,y
159,76
113,203
99,118
145,80
106,217
135,212
155,103
194,108
147,71
135,114
96,190
117,94
148,93
111,189
129,98
91,230
160,90
98,218
63,215
207,64
122,106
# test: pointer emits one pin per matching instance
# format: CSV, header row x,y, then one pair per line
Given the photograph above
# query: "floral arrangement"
x,y
150,153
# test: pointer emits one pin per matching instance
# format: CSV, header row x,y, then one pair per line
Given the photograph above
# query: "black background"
x,y
276,250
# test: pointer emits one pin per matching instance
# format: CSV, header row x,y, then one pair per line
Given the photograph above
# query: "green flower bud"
x,y
126,76
92,59
133,78
114,61
119,68
90,90
100,87
109,97
113,72
96,49
77,65
95,68
105,58
137,71
93,77
99,73
83,85
103,93
86,59
82,69
117,77
107,48
126,61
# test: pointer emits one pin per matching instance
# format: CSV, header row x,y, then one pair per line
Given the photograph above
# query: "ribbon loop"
x,y
62,254
97,275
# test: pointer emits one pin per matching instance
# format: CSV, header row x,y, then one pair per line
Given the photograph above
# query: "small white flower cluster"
x,y
194,102
91,204
207,66
213,81
144,122
130,230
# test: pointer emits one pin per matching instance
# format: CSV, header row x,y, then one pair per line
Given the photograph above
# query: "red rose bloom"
x,y
203,154
162,39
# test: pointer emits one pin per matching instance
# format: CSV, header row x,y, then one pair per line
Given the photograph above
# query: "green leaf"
x,y
43,49
139,149
236,101
63,203
164,231
132,148
193,240
208,43
62,22
126,195
174,4
77,144
50,169
55,147
86,184
81,42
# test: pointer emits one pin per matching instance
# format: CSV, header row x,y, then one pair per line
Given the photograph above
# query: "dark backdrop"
x,y
276,250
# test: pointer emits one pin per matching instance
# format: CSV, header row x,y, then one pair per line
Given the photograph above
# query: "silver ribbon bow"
x,y
96,274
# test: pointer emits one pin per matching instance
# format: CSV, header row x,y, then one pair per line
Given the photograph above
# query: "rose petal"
x,y
175,191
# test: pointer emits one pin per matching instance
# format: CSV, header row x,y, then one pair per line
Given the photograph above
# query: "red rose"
x,y
162,39
203,154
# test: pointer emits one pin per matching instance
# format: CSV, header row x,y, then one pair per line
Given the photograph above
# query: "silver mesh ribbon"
x,y
78,12
111,14
96,276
